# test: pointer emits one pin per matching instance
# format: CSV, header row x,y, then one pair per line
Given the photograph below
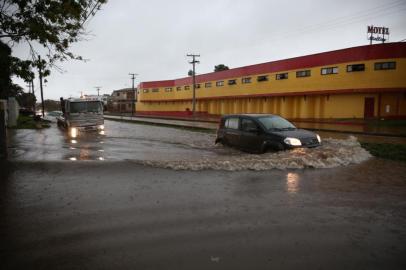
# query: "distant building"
x,y
122,100
359,82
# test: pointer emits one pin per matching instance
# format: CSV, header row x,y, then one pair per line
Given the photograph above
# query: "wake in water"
x,y
332,153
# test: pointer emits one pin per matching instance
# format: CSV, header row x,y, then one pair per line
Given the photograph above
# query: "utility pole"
x,y
40,85
98,90
194,62
135,94
33,93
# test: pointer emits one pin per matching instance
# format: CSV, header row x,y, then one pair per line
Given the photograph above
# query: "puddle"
x,y
175,149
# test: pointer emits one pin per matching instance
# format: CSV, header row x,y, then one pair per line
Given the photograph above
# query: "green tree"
x,y
26,100
190,72
52,24
220,67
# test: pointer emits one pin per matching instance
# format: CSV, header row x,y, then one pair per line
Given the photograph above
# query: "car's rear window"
x,y
275,122
232,123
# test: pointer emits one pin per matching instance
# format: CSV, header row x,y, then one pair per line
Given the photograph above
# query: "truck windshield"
x,y
85,106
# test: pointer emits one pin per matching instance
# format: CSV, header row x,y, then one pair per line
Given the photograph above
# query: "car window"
x,y
276,122
232,123
248,124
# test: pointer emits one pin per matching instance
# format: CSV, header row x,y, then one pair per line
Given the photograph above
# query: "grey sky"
x,y
152,37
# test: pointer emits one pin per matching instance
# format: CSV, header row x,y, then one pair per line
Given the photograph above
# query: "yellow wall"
x,y
369,78
230,98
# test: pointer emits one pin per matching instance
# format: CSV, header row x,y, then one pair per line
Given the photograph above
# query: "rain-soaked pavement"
x,y
333,207
173,148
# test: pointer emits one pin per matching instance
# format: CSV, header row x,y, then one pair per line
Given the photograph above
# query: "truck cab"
x,y
81,115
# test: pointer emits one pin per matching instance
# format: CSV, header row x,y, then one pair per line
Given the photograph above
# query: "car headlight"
x,y
101,127
292,141
73,132
318,138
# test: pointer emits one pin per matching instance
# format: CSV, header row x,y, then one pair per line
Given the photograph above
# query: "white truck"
x,y
81,115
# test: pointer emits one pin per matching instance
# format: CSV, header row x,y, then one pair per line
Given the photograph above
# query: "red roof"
x,y
355,54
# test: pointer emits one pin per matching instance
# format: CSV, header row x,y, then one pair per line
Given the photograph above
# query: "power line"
x,y
194,62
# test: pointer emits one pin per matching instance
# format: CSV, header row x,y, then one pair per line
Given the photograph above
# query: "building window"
x,y
187,87
168,89
220,83
262,78
232,82
197,85
178,88
246,80
356,67
146,90
207,85
329,70
303,73
385,65
282,76
155,90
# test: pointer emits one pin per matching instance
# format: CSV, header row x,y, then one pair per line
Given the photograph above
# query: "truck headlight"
x,y
292,141
318,138
73,132
101,127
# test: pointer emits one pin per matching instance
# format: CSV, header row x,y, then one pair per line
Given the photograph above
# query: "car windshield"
x,y
276,122
82,107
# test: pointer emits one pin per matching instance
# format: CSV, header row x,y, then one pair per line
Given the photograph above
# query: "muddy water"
x,y
174,148
332,153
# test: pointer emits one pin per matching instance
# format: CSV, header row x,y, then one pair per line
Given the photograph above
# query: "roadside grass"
x,y
387,123
386,150
28,122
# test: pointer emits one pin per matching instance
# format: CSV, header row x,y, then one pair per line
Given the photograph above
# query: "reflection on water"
x,y
292,182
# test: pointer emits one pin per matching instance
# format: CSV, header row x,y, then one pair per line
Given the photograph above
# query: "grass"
x,y
387,123
28,122
386,150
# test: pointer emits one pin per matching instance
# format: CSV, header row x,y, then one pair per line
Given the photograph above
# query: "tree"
x,y
220,67
53,24
26,100
190,72
52,105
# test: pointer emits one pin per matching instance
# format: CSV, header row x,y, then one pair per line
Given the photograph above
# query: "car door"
x,y
251,137
232,134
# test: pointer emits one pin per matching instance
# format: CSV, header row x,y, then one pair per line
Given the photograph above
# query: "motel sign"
x,y
377,33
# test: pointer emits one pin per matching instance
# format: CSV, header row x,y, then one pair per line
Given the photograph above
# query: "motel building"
x,y
359,82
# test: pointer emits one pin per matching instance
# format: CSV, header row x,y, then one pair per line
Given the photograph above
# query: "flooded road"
x,y
121,215
173,148
197,205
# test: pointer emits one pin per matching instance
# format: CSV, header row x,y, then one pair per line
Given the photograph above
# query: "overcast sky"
x,y
152,37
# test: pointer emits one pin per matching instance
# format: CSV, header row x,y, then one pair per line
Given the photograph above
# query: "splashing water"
x,y
332,153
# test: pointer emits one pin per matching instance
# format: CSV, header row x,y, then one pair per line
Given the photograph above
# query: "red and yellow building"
x,y
360,82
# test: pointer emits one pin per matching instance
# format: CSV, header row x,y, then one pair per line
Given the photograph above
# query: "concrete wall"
x,y
13,112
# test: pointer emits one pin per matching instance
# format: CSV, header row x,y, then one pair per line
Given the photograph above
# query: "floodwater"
x,y
173,148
